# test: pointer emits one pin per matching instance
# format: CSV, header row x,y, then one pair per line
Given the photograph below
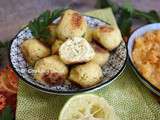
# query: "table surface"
x,y
16,13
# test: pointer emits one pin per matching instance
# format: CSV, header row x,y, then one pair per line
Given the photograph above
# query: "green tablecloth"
x,y
128,96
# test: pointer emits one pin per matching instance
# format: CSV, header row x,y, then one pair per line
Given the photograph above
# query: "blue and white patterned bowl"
x,y
111,69
140,32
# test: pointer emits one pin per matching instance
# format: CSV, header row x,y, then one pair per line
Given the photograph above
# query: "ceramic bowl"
x,y
111,69
140,32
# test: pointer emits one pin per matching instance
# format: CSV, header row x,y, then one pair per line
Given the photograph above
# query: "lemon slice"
x,y
87,107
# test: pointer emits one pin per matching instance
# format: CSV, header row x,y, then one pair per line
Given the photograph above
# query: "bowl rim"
x,y
92,88
142,79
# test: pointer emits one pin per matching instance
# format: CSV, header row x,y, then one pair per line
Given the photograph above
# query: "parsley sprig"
x,y
127,13
39,26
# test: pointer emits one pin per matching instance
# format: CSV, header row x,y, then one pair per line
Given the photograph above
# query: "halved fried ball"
x,y
101,54
76,50
86,75
56,45
50,70
72,24
34,50
107,36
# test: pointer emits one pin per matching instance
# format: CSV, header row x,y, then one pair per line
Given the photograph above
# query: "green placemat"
x,y
129,98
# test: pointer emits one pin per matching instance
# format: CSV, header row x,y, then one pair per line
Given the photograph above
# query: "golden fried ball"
x,y
86,75
89,34
72,24
50,70
101,54
56,45
109,37
52,28
34,50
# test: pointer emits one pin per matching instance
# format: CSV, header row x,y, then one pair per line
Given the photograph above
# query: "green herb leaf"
x,y
7,114
125,18
123,14
128,8
125,23
151,16
39,26
126,13
56,13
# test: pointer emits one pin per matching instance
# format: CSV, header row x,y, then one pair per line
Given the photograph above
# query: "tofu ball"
x,y
109,37
89,34
50,70
56,45
34,50
101,54
76,50
86,75
52,28
72,24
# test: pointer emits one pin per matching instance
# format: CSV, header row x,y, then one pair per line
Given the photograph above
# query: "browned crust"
x,y
76,20
106,28
53,78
